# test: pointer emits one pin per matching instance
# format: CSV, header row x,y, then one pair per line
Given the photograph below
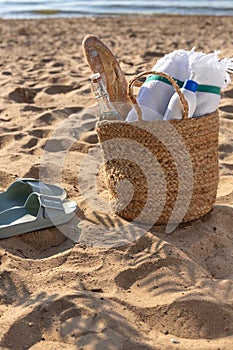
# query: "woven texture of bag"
x,y
172,166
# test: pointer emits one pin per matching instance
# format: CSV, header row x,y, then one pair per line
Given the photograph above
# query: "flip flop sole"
x,y
39,212
18,192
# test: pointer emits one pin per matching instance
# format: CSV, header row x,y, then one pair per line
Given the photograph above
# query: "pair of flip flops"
x,y
29,205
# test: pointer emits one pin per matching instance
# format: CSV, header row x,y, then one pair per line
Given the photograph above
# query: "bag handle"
x,y
133,99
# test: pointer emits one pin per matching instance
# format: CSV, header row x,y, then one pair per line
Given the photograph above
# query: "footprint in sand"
x,y
23,95
37,324
227,108
228,165
31,143
59,89
225,147
81,319
50,118
193,319
228,93
10,129
6,140
41,133
127,278
37,245
45,119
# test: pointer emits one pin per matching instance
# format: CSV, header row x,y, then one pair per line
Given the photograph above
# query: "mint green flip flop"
x,y
38,212
18,192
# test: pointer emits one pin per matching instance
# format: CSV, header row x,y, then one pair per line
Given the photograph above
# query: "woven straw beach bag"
x,y
161,171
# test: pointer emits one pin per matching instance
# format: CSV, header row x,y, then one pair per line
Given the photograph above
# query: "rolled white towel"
x,y
156,91
212,76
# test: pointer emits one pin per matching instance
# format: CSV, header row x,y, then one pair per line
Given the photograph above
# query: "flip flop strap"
x,y
37,186
50,205
51,202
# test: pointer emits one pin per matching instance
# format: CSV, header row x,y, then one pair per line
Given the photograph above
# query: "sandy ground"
x,y
67,288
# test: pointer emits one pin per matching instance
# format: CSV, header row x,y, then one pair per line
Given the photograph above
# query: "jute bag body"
x,y
161,171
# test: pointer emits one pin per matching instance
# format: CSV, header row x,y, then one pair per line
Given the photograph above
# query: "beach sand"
x,y
67,288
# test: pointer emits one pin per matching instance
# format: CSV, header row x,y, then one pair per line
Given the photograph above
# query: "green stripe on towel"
x,y
209,88
201,88
164,80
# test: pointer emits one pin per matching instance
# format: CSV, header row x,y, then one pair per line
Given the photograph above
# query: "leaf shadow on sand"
x,y
185,279
81,320
191,270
